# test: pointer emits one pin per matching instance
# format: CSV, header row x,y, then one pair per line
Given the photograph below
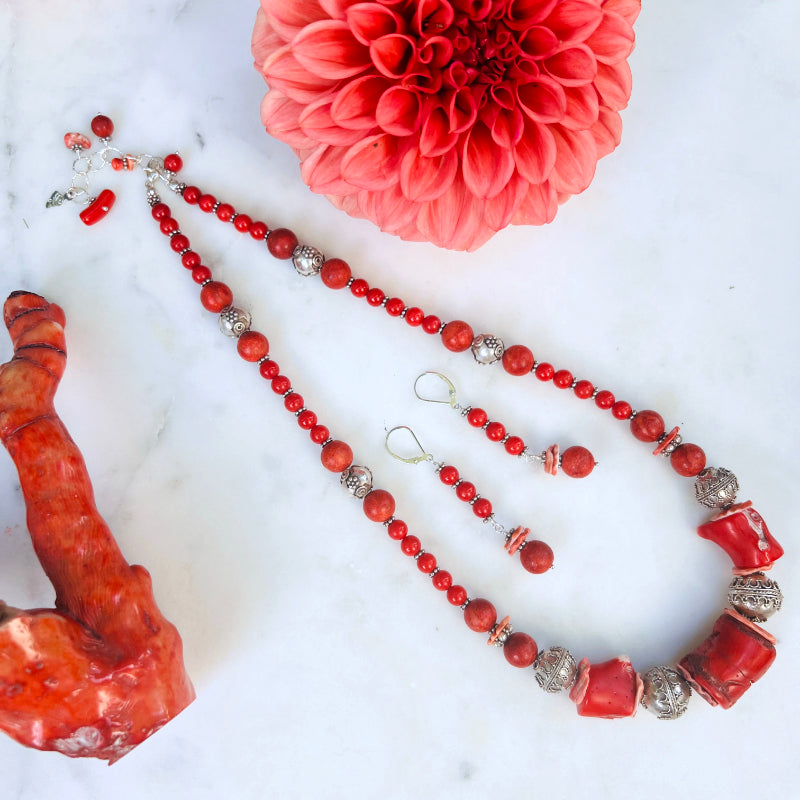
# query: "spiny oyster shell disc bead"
x,y
357,480
555,669
487,348
234,321
666,693
716,487
307,260
755,596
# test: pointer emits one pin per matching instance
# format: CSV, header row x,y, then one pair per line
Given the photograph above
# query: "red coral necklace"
x,y
736,653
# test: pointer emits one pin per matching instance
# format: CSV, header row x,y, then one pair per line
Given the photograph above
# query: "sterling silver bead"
x,y
234,321
307,260
487,348
755,596
555,669
716,487
357,480
666,693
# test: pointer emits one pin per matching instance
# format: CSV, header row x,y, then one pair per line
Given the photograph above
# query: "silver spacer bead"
x,y
666,693
555,669
234,321
716,487
487,348
357,480
307,260
755,596
501,635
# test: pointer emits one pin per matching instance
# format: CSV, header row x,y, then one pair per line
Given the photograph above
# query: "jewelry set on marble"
x,y
736,653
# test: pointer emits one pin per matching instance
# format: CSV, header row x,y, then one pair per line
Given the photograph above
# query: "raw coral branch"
x,y
103,670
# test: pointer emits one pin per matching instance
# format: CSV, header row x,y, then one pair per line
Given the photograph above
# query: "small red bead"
x,y
621,409
102,126
307,420
293,402
536,557
207,203
448,475
173,162
647,426
179,242
281,384
426,563
477,417
544,372
482,508
604,399
584,389
201,274
242,223
410,545
258,230
457,595
520,650
190,260
319,434
431,324
160,211
269,369
394,307
225,211
514,445
191,194
577,461
252,346
281,243
379,505
375,297
414,316
359,287
335,273
517,360
168,225
688,460
480,615
442,580
216,296
465,491
563,379
457,336
496,431
336,456
397,529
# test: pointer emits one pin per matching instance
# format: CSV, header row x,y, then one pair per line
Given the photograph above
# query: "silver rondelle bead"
x,y
555,669
234,321
755,596
357,480
666,693
716,487
487,348
307,260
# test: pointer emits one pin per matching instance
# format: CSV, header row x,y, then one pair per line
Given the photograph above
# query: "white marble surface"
x,y
324,664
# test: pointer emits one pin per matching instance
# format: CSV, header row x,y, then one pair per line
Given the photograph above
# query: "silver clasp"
x,y
451,390
423,456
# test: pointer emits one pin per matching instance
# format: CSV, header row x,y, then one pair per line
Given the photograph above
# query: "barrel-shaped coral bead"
x,y
379,505
577,461
216,296
480,615
688,460
608,690
457,336
536,556
517,360
647,426
335,273
281,243
336,456
520,650
252,346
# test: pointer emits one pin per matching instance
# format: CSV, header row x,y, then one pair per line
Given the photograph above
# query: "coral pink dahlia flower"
x,y
446,120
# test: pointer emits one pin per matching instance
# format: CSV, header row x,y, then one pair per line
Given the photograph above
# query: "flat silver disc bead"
x,y
755,596
666,693
234,321
486,349
716,487
357,481
555,669
307,260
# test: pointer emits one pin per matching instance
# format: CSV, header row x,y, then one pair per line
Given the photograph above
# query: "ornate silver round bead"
x,y
357,480
555,669
234,321
487,348
755,596
307,260
666,693
716,487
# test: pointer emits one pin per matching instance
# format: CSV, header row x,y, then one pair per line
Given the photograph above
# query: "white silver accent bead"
x,y
666,693
487,348
357,480
307,260
555,669
755,596
234,321
716,487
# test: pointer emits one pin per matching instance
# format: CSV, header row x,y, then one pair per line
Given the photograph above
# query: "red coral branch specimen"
x,y
103,670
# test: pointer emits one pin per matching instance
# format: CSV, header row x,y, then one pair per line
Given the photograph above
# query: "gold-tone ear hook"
x,y
413,459
451,390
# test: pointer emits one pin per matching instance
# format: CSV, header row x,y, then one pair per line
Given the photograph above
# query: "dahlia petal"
x,y
390,210
539,42
398,111
613,40
582,107
521,14
370,21
614,83
336,9
575,66
500,209
435,136
607,132
423,179
503,96
322,171
372,163
437,52
573,21
433,15
543,100
288,18
330,50
486,167
476,10
535,153
264,39
508,127
393,55
285,73
538,206
575,162
319,126
454,219
628,9
355,103
280,117
462,110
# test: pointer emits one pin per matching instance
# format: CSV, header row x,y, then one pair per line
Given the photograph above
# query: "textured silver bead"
x,y
716,487
357,480
307,260
666,693
555,669
755,596
487,348
234,321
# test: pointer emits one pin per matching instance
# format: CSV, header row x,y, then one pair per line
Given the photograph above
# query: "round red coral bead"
x,y
647,426
216,296
520,650
457,336
379,505
536,557
517,360
335,273
281,243
577,461
688,460
480,615
336,456
102,126
252,346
